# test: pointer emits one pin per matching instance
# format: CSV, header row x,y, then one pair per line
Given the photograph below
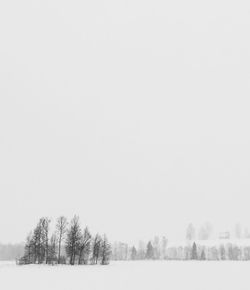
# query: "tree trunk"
x,y
80,257
59,250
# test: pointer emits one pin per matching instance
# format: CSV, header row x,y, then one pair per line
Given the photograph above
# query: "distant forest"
x,y
157,250
68,243
197,246
11,251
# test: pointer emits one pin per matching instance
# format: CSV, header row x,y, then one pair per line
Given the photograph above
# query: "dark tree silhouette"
x,y
203,255
96,248
52,258
45,237
133,253
222,252
61,229
84,247
105,251
29,250
73,239
37,242
149,251
194,255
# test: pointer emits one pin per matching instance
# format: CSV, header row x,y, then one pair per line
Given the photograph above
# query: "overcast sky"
x,y
132,114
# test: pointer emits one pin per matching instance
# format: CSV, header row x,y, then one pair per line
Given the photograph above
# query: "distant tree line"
x,y
153,250
11,251
68,244
158,249
228,251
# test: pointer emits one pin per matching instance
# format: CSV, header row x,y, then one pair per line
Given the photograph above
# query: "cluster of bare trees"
x,y
67,244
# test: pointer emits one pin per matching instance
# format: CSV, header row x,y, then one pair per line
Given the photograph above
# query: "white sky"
x,y
133,114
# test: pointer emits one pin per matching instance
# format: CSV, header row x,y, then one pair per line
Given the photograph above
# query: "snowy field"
x,y
155,275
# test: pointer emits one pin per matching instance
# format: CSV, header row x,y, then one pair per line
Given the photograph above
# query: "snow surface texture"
x,y
155,275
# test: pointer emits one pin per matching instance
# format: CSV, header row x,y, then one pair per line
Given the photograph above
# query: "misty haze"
x,y
124,144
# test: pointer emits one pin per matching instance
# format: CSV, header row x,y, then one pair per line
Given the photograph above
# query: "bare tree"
x,y
28,250
84,247
38,243
105,251
61,229
45,237
96,248
73,239
52,249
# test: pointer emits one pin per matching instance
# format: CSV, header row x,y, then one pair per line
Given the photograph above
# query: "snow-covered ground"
x,y
153,275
